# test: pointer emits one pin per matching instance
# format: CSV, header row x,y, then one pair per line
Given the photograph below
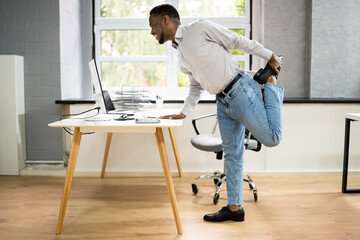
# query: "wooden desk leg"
x,y
69,175
176,153
106,154
169,183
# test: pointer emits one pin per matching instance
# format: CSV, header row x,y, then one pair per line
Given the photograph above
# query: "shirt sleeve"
x,y
230,40
195,92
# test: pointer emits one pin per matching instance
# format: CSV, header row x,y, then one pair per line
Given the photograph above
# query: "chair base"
x,y
219,179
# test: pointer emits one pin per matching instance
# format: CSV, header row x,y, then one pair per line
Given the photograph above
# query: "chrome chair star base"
x,y
212,143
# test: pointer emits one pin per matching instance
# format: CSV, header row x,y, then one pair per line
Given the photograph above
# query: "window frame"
x,y
173,91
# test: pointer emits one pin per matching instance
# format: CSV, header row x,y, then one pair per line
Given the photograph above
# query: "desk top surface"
x,y
353,116
108,120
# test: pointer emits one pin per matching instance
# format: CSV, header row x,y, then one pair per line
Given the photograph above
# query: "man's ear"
x,y
166,20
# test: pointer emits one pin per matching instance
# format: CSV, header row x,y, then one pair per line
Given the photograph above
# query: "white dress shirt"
x,y
204,57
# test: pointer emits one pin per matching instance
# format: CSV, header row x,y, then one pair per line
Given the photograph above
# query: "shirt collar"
x,y
178,36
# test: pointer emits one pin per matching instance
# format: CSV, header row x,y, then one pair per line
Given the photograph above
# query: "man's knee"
x,y
273,141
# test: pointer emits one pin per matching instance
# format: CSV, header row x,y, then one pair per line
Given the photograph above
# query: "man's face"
x,y
157,28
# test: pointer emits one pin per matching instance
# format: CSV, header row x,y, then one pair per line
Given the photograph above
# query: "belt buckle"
x,y
221,94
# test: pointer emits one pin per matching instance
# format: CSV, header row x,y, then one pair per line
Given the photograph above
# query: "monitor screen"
x,y
108,102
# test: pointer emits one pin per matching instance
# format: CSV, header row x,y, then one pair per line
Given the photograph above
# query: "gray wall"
x,y
30,28
285,34
75,48
320,43
335,65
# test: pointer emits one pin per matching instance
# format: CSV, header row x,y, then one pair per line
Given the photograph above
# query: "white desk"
x,y
80,126
349,117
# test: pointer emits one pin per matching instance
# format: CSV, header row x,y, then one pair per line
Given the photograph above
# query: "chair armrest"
x,y
198,118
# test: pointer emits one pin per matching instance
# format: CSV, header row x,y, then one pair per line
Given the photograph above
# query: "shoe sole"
x,y
235,220
262,75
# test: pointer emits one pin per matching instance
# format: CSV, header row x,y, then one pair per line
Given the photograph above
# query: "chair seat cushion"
x,y
207,142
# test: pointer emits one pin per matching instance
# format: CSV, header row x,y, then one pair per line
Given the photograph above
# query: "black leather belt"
x,y
229,86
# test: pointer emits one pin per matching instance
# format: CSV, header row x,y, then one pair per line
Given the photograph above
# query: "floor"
x,y
288,207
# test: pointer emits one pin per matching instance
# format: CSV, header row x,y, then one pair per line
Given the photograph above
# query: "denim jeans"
x,y
244,107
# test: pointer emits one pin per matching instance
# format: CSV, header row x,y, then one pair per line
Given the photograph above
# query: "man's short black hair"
x,y
166,9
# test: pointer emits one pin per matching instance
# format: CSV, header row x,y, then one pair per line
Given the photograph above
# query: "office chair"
x,y
212,143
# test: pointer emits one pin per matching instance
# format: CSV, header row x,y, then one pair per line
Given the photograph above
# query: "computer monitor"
x,y
102,97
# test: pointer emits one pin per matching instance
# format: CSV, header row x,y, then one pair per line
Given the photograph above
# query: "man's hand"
x,y
275,63
173,116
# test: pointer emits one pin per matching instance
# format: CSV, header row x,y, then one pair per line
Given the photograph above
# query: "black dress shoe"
x,y
226,214
262,75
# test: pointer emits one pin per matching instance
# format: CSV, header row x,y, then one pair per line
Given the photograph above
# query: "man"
x,y
204,56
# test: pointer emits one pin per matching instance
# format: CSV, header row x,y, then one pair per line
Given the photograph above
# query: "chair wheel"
x,y
216,181
216,198
255,196
194,188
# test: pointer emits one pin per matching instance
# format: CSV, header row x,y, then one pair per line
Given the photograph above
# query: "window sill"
x,y
286,100
292,101
75,101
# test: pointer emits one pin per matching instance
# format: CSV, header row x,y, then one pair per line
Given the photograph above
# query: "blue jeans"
x,y
243,106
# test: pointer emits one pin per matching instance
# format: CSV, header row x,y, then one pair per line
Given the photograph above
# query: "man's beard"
x,y
162,38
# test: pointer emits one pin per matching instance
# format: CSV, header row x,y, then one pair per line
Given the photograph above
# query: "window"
x,y
128,55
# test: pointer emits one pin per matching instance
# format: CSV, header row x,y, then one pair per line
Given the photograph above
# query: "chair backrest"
x,y
250,142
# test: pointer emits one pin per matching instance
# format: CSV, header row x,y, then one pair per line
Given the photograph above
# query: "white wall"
x,y
313,140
